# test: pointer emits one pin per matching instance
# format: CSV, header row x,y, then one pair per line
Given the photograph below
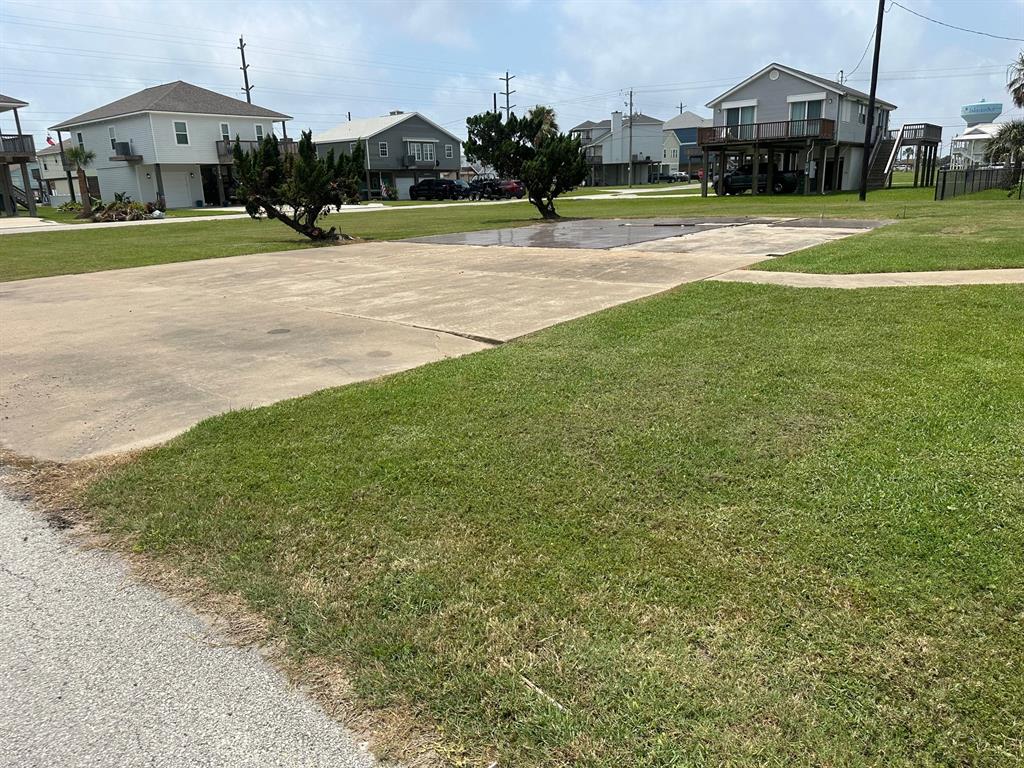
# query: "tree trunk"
x,y
313,232
83,190
546,207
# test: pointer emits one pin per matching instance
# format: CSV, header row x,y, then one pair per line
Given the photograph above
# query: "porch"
x,y
780,146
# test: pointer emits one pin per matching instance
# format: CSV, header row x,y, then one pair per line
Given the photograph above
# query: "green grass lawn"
x,y
985,235
729,525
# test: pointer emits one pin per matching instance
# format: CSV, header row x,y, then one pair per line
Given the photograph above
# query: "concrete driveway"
x,y
109,361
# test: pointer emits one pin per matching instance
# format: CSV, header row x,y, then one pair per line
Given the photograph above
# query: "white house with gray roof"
x,y
171,142
401,148
607,144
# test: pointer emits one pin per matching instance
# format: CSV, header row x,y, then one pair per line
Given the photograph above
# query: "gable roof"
x,y
821,82
369,127
178,96
980,131
55,148
9,102
606,125
687,119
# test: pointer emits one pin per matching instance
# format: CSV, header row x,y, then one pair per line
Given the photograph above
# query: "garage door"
x,y
177,189
402,184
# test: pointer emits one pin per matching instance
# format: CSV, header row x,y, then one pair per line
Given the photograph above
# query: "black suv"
x,y
434,189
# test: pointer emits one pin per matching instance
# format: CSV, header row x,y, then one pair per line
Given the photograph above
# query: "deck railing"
x,y
922,132
17,144
779,130
226,149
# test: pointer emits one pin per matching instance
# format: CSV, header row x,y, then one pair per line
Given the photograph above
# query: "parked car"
x,y
680,176
509,188
739,180
433,189
462,189
484,189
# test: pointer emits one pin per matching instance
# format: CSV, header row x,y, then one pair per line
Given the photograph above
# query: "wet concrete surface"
x,y
629,233
591,233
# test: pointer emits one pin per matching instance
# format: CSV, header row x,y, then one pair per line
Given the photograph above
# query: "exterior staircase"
x,y
882,155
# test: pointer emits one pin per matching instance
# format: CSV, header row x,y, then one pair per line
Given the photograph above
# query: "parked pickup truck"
x,y
740,179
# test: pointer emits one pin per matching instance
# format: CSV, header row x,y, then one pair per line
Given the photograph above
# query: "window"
x,y
351,147
225,132
862,113
675,153
181,132
382,148
428,152
112,132
449,151
735,117
847,112
259,132
800,112
81,141
664,154
416,150
44,165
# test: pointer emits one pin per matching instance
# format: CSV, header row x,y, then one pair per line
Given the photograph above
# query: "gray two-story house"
x,y
783,118
400,149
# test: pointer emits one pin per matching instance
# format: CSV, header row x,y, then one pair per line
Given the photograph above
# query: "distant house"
x,y
171,142
606,145
783,117
968,149
17,152
401,148
60,182
680,151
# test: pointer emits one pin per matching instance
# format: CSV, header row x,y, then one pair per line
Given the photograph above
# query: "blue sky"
x,y
320,59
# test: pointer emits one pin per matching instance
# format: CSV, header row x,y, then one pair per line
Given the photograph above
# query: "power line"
x,y
953,26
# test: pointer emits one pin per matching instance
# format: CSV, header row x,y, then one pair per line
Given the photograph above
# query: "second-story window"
x,y
259,132
81,140
112,132
449,151
225,132
181,132
428,152
416,150
862,113
382,148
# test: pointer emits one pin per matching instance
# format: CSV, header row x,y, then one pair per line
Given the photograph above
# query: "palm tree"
x,y
1008,144
82,157
545,116
1015,80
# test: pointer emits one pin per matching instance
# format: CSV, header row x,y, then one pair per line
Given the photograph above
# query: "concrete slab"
x,y
590,233
109,361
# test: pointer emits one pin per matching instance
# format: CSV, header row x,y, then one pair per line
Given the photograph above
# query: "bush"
x,y
71,206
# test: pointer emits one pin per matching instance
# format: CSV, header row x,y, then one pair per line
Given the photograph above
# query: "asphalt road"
x,y
96,670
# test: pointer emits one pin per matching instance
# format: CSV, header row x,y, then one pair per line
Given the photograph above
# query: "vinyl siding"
x,y
203,135
412,128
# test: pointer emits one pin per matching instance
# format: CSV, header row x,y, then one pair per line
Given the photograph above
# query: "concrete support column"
x,y
820,177
160,197
220,184
770,185
720,187
917,165
807,168
29,196
704,179
10,208
756,170
837,177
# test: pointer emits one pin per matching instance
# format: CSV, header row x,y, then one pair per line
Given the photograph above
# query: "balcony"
x,y
17,148
226,149
410,161
919,133
780,130
124,152
594,158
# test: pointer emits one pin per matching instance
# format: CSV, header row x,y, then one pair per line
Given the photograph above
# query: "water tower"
x,y
980,112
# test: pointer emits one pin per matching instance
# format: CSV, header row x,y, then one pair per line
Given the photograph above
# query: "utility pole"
x,y
245,70
870,122
495,102
631,137
841,77
350,117
508,79
681,106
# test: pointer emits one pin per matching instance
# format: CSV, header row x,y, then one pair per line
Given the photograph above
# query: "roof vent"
x,y
396,112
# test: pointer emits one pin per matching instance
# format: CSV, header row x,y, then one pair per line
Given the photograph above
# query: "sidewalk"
x,y
99,671
876,279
